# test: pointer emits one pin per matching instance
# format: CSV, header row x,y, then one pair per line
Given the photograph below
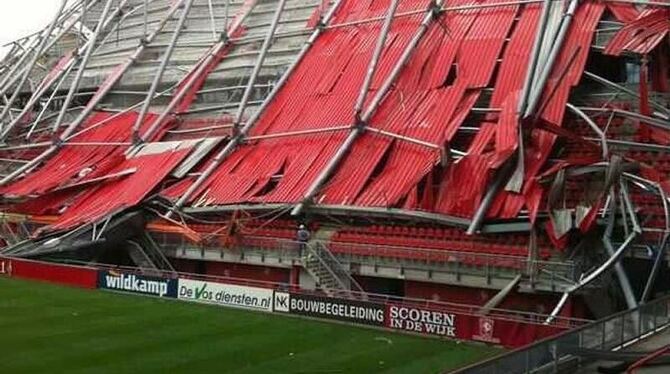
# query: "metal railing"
x,y
553,274
448,258
333,265
447,307
560,353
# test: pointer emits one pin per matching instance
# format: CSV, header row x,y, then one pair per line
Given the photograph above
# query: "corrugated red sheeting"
x,y
421,106
319,94
95,156
117,195
565,75
436,90
461,199
642,34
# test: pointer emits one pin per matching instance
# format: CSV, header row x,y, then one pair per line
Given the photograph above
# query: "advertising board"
x,y
354,311
421,321
137,283
5,267
226,294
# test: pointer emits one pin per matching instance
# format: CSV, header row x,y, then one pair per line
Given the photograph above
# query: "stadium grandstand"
x,y
507,160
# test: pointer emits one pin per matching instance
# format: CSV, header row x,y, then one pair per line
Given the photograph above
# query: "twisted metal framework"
x,y
231,59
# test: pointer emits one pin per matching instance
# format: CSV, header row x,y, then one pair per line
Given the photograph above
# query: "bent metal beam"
x,y
228,148
161,70
432,13
99,96
193,77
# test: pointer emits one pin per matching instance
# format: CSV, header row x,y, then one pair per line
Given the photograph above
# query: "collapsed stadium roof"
x,y
492,116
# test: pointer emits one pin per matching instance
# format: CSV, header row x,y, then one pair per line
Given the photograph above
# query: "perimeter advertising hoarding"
x,y
421,321
487,329
225,294
136,283
449,325
5,267
354,311
78,276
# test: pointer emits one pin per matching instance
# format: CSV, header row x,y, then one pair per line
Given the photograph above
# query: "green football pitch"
x,y
52,329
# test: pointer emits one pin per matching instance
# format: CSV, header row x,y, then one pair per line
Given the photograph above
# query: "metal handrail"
x,y
610,333
553,274
450,307
326,266
567,268
332,262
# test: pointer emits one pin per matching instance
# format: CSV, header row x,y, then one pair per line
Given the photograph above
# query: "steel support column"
x,y
536,93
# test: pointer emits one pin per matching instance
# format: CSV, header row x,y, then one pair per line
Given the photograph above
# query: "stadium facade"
x,y
502,154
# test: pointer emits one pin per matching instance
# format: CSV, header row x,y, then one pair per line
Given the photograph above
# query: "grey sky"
x,y
22,17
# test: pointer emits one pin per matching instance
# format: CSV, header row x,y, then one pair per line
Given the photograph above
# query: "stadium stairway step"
x,y
140,257
329,274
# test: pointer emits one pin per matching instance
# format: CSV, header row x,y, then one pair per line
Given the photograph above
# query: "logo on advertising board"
x,y
486,328
362,312
6,267
226,294
422,321
113,280
281,302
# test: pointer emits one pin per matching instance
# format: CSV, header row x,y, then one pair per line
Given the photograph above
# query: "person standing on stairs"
x,y
303,236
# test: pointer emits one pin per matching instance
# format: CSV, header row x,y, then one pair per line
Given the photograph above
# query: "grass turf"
x,y
52,329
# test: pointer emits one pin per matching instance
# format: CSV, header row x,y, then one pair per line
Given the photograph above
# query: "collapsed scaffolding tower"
x,y
525,140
